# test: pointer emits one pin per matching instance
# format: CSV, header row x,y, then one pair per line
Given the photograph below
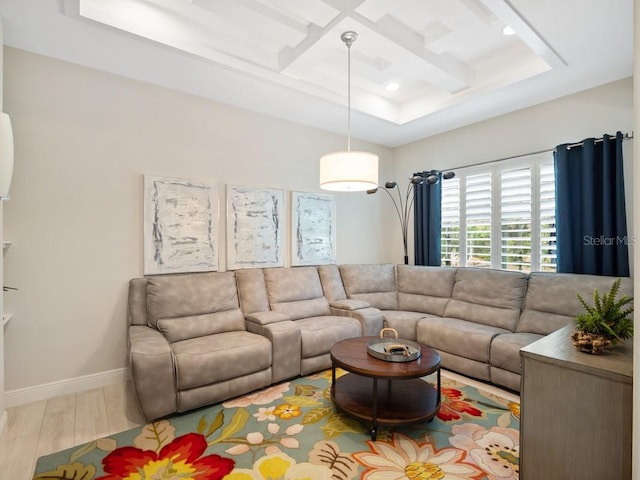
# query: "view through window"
x,y
501,215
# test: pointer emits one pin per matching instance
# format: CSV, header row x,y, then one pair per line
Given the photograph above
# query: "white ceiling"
x,y
285,58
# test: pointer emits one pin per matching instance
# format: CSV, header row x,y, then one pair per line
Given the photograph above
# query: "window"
x,y
478,220
547,210
450,231
501,215
515,219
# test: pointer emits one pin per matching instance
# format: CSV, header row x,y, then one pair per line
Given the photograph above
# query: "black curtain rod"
x,y
625,136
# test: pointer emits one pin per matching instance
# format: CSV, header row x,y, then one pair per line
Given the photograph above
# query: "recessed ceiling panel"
x,y
438,52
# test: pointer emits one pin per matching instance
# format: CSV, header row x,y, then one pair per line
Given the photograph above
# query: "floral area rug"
x,y
291,431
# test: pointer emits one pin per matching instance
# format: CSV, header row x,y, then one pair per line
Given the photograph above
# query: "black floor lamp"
x,y
403,206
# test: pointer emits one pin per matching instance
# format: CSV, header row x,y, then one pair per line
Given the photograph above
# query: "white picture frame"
x,y
313,229
181,225
254,227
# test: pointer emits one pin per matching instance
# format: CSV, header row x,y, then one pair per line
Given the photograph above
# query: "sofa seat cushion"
x,y
404,323
459,337
319,334
215,358
505,350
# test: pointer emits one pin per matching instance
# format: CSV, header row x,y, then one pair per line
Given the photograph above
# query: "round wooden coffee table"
x,y
405,398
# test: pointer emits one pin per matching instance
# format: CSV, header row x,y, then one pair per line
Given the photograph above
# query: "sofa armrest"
x,y
371,319
152,371
286,345
349,304
266,318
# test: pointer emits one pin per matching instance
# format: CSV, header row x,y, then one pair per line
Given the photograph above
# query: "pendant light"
x,y
349,171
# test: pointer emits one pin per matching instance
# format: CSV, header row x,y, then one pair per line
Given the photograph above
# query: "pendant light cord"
x,y
348,38
348,96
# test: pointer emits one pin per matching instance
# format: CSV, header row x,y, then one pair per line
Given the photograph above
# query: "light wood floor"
x,y
48,426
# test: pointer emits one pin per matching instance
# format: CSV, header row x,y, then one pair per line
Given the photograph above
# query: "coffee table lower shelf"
x,y
399,402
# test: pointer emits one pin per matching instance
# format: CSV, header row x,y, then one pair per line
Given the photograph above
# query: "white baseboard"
x,y
45,391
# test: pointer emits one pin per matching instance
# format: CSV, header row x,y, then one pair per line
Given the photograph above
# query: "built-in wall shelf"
x,y
6,318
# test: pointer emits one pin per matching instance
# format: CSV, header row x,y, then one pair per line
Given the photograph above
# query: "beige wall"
x,y
591,113
83,140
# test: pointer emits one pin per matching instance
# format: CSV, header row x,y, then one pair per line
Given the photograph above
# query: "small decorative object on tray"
x,y
393,349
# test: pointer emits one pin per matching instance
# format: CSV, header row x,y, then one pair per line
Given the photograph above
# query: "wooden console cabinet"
x,y
576,411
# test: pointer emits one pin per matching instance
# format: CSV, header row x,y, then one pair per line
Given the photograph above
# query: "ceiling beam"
x,y
344,6
289,55
274,14
504,10
445,71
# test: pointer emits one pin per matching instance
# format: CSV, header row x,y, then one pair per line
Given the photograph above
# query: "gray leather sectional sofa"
x,y
202,338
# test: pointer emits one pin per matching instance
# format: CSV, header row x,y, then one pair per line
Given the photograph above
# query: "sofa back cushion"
x,y
424,289
375,284
252,290
491,297
193,305
551,301
331,282
296,292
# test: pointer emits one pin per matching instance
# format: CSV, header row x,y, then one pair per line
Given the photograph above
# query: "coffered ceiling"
x,y
449,59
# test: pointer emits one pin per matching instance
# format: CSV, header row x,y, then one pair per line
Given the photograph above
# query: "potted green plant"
x,y
605,322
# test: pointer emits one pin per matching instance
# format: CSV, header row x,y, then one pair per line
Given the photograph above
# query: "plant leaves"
x,y
326,393
89,447
302,401
202,424
73,471
337,424
305,390
606,316
342,465
216,423
237,423
155,435
315,415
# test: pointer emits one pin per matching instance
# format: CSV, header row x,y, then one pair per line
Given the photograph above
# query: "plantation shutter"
x,y
515,219
547,223
478,220
450,231
501,215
